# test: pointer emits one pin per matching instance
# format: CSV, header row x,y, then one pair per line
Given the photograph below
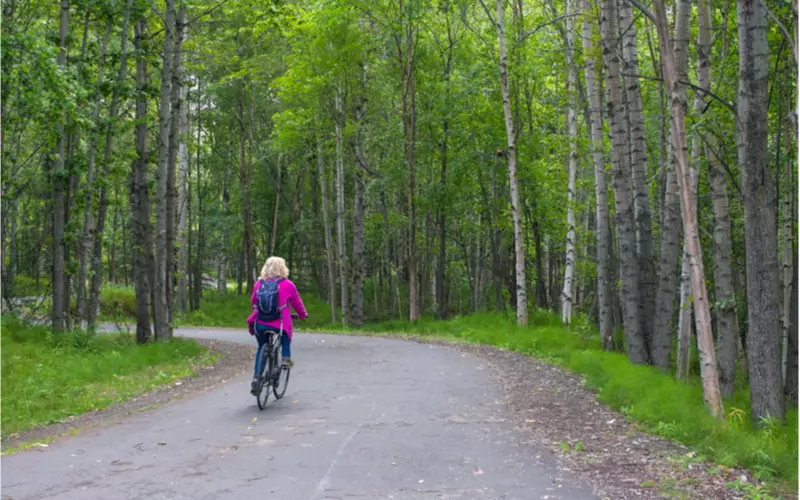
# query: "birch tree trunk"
x,y
141,230
359,205
183,194
102,211
637,148
86,238
340,233
626,227
160,315
410,136
788,243
572,133
176,95
600,183
705,339
323,183
727,319
59,185
760,216
519,244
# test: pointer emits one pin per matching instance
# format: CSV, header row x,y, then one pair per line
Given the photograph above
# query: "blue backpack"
x,y
267,300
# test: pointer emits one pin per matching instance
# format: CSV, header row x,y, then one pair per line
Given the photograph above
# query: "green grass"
x,y
49,377
655,400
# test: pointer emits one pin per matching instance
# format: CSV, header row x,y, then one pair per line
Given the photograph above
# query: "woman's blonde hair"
x,y
274,267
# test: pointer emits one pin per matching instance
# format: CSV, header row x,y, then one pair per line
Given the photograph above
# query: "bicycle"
x,y
275,375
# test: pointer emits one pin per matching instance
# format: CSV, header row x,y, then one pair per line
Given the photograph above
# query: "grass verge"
x,y
50,377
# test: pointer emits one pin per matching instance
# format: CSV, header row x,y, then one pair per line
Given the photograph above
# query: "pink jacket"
x,y
287,294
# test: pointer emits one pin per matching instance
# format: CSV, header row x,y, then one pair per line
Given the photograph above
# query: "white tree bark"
x,y
519,244
600,182
572,133
323,183
340,233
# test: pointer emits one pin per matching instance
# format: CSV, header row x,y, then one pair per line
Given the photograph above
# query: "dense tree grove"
x,y
630,165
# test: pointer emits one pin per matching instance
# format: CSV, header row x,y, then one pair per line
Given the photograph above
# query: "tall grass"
x,y
48,377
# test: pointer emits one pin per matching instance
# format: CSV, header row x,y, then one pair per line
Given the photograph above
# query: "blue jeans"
x,y
262,334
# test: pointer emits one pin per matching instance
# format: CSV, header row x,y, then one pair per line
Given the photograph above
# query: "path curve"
x,y
363,418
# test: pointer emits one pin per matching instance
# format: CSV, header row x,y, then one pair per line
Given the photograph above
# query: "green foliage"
x,y
50,377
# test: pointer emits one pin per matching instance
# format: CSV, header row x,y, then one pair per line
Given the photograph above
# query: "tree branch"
x,y
644,10
783,30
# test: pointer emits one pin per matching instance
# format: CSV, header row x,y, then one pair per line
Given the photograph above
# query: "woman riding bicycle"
x,y
275,272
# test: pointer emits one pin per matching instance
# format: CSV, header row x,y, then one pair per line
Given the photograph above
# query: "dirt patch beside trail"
x,y
233,360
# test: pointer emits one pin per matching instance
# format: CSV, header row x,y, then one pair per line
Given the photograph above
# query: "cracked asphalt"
x,y
362,418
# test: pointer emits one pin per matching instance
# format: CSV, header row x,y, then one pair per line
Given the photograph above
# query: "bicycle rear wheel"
x,y
265,384
282,382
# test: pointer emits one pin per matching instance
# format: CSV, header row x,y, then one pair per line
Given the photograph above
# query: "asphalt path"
x,y
362,418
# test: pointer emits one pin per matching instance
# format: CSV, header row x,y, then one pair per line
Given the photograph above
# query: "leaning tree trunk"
x,y
519,244
86,239
601,187
102,210
340,233
57,166
637,148
323,183
160,315
572,132
760,216
705,339
140,203
626,228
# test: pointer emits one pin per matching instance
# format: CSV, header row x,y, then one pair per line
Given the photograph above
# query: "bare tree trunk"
x,y
86,239
176,104
727,319
705,339
637,148
245,180
183,200
340,223
760,221
141,229
160,315
572,132
222,283
359,208
519,244
790,386
684,360
274,234
788,239
600,182
57,166
626,227
410,135
388,254
102,211
326,222
359,205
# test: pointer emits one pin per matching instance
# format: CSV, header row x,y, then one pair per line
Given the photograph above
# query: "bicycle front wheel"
x,y
282,381
265,384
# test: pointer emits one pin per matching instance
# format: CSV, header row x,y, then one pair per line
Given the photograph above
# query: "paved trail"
x,y
363,418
